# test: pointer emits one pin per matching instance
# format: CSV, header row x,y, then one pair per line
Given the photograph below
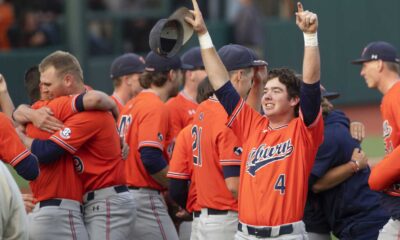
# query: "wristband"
x,y
355,165
311,39
205,41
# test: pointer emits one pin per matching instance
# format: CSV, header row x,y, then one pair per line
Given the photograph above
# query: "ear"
x,y
171,75
126,79
188,75
294,101
68,79
380,65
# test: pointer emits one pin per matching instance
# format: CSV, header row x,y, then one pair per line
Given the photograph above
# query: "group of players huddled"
x,y
210,145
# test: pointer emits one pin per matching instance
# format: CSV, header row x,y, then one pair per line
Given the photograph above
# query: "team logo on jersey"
x,y
264,155
237,151
78,164
65,133
387,129
191,112
160,137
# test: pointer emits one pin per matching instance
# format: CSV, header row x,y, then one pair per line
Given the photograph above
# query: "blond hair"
x,y
64,63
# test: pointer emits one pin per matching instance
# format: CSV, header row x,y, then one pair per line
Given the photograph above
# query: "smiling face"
x,y
276,102
369,72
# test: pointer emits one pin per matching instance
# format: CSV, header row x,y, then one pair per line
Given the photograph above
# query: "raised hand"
x,y
357,131
197,20
307,21
3,84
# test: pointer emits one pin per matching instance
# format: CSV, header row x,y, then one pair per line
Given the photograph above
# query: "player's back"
x,y
143,123
57,179
210,136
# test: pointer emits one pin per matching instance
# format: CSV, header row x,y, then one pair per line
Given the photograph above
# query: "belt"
x,y
196,214
212,211
118,189
54,202
265,232
138,188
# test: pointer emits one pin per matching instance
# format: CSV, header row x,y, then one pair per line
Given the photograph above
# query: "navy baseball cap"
x,y
378,51
157,63
192,58
125,64
328,95
169,35
236,56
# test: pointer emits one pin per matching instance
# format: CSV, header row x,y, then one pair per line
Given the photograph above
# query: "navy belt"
x,y
265,232
138,188
196,214
212,211
118,189
54,202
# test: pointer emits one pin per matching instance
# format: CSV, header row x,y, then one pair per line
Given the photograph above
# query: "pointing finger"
x,y
195,5
299,7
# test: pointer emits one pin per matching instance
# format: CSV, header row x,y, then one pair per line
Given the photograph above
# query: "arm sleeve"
x,y
178,191
386,172
228,97
310,102
152,159
231,171
47,151
28,168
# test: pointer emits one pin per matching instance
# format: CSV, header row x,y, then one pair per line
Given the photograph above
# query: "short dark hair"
x,y
156,78
32,83
288,78
204,90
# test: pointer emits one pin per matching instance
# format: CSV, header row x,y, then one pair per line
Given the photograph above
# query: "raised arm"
x,y
308,23
7,105
214,67
97,100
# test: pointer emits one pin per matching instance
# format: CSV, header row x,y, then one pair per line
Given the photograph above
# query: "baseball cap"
x,y
328,95
378,51
157,63
126,64
169,35
192,58
236,56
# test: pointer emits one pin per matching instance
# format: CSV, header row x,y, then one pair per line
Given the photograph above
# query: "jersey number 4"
x,y
280,184
196,147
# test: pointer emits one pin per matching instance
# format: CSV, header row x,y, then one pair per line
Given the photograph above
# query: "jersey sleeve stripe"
x,y
316,119
178,175
73,104
230,162
239,107
63,144
151,144
19,157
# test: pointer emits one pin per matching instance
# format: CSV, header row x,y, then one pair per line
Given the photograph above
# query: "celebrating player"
x,y
380,69
279,150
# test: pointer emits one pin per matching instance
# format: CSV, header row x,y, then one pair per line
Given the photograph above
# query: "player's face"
x,y
51,84
176,83
135,87
276,102
245,81
199,75
369,72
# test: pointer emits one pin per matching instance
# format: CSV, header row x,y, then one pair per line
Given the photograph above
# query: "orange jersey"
x,y
390,110
275,167
143,122
118,101
12,150
93,141
57,179
214,145
181,165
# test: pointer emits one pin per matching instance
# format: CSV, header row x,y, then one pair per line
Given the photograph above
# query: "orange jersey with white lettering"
x,y
275,167
118,101
214,145
143,122
93,141
12,150
57,179
181,165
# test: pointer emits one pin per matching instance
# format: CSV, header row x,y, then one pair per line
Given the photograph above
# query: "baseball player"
x,y
380,69
125,72
339,183
109,208
279,149
144,123
183,106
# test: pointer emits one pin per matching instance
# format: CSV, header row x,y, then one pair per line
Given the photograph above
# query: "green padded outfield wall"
x,y
346,26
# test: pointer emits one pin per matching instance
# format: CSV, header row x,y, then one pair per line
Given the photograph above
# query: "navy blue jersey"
x,y
352,201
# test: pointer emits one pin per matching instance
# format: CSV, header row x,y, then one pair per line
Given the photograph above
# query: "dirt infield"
x,y
368,114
